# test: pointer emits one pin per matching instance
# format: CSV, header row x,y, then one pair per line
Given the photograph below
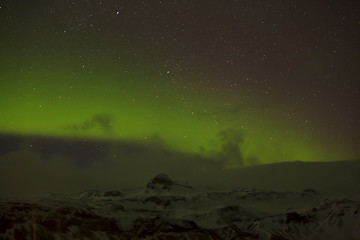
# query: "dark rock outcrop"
x,y
295,218
309,193
161,180
112,194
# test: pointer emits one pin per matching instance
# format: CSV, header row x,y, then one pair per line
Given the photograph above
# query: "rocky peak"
x,y
160,181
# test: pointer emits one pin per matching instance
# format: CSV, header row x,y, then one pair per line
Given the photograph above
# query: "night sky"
x,y
242,82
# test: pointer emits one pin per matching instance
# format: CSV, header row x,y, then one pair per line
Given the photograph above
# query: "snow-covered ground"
x,y
167,209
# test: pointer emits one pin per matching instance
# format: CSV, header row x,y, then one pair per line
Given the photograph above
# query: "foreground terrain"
x,y
167,209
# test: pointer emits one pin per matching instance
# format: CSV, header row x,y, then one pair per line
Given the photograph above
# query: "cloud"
x,y
81,152
156,141
230,153
25,173
102,121
9,144
78,151
44,165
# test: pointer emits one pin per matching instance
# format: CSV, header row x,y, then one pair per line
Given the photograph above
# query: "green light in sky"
x,y
84,103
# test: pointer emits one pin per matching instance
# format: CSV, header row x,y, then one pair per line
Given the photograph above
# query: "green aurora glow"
x,y
53,83
48,103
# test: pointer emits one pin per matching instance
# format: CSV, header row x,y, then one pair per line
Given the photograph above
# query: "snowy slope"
x,y
167,209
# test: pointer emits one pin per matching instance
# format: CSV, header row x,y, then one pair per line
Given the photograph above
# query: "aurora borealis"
x,y
250,81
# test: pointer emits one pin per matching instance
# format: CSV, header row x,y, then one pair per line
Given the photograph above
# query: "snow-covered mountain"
x,y
167,209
